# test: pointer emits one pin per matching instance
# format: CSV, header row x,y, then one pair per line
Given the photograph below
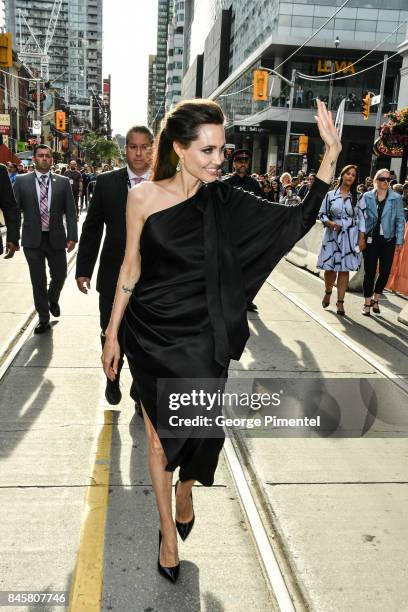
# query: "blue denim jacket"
x,y
392,219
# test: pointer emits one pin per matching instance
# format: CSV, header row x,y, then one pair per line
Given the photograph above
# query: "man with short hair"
x,y
75,179
46,200
241,159
108,210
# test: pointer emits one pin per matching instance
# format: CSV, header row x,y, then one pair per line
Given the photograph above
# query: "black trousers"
x,y
381,252
76,200
105,309
57,264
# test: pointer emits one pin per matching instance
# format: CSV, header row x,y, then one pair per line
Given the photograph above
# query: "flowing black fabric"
x,y
202,261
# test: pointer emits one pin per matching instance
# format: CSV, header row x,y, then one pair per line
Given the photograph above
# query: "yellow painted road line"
x,y
86,588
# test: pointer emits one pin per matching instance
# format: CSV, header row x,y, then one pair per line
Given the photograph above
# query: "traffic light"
x,y
303,144
260,85
6,50
366,106
60,121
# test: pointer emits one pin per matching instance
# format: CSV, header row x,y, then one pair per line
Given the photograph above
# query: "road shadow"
x,y
131,579
24,391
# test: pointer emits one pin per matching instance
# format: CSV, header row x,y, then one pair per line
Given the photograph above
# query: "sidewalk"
x,y
51,416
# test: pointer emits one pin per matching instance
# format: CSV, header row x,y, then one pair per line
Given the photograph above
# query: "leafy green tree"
x,y
99,150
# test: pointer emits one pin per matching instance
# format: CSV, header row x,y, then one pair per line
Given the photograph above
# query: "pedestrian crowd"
x,y
81,176
363,221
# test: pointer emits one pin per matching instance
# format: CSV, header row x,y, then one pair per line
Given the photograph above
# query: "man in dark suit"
x,y
45,199
11,214
108,209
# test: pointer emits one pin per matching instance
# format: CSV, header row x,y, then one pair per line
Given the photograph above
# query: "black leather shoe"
x,y
55,309
184,529
41,328
171,573
251,307
112,392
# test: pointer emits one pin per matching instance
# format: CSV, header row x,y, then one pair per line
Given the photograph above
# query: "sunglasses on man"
x,y
383,179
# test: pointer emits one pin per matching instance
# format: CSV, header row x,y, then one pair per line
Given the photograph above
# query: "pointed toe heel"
x,y
171,573
184,529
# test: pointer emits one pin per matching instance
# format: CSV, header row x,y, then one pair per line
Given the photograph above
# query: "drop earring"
x,y
178,167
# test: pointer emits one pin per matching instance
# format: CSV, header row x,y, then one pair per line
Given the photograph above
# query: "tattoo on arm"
x,y
127,289
333,163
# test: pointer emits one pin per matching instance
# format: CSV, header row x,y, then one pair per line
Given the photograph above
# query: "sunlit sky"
x,y
129,28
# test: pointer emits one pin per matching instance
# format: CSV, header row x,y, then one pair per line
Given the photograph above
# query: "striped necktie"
x,y
44,212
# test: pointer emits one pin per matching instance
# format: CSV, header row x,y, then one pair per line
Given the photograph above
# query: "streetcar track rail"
x,y
398,380
286,591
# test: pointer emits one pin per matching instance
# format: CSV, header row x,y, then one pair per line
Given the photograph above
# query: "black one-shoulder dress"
x,y
202,260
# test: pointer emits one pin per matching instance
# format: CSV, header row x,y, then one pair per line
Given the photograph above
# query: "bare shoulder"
x,y
142,198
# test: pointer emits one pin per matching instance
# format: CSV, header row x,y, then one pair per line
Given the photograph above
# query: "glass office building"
x,y
75,53
266,33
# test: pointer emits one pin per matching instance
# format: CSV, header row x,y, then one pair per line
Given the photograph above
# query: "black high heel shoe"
x,y
171,573
185,528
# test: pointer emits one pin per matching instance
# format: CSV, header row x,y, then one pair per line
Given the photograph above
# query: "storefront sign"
x,y
5,125
326,66
250,128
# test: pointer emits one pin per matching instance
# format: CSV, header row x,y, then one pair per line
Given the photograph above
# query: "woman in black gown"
x,y
197,251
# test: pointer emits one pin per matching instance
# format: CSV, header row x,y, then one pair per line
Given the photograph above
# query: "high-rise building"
x,y
151,94
175,52
163,19
239,36
60,39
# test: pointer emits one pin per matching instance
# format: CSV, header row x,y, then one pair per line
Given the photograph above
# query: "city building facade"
x,y
163,19
175,52
60,40
151,93
265,34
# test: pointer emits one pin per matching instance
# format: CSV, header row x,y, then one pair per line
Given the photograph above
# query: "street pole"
x,y
329,104
379,111
290,113
38,99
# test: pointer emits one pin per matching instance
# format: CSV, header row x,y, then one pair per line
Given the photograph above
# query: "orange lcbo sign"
x,y
325,66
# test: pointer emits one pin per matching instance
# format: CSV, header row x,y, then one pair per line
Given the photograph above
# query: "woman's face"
x,y
349,177
382,181
204,156
275,185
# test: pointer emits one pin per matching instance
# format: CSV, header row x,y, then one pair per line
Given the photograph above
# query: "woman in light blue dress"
x,y
343,215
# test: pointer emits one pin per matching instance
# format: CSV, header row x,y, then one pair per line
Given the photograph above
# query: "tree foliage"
x,y
99,150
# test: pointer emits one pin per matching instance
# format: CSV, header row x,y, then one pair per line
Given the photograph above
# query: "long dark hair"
x,y
182,125
353,186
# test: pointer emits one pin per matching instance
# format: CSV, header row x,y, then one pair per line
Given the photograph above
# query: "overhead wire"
x,y
306,77
312,36
360,59
296,50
